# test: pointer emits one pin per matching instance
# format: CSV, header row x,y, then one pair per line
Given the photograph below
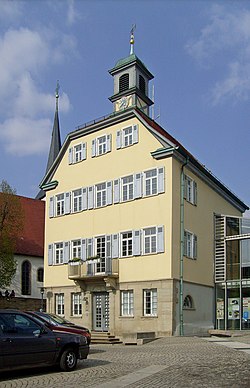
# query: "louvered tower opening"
x,y
220,249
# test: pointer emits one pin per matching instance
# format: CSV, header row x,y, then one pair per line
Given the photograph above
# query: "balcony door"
x,y
101,311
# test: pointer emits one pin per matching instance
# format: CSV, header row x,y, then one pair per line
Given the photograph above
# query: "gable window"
x,y
77,153
101,145
101,194
127,303
76,249
127,136
126,244
127,188
124,82
190,190
60,204
142,84
188,302
190,245
40,275
77,200
59,304
59,253
76,304
150,302
26,278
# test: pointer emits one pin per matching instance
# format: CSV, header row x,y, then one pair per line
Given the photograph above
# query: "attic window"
x,y
124,82
142,84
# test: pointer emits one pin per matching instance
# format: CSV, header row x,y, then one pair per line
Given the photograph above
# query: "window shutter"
x,y
115,246
67,202
138,185
118,139
161,180
116,191
90,197
135,134
160,239
66,251
93,150
50,254
109,137
84,198
84,249
195,247
108,246
185,187
195,192
84,151
90,247
185,243
51,207
136,243
70,155
109,193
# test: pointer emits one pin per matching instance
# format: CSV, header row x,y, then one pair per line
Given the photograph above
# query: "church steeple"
x,y
131,80
55,144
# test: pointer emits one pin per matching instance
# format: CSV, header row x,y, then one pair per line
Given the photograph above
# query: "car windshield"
x,y
57,319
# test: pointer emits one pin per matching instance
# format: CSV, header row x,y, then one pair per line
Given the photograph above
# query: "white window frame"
x,y
60,204
77,203
150,302
190,245
78,153
76,249
127,303
59,304
154,184
58,253
76,304
127,136
149,240
128,241
100,194
190,190
127,187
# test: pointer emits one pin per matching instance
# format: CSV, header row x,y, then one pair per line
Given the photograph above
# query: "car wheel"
x,y
68,360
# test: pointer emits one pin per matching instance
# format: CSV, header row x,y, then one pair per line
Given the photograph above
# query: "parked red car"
x,y
56,323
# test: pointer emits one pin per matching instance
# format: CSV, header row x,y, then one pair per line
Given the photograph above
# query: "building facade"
x,y
129,233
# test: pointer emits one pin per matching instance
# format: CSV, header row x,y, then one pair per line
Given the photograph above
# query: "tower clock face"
x,y
123,103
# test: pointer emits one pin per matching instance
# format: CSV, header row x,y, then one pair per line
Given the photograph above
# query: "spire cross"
x,y
57,94
132,40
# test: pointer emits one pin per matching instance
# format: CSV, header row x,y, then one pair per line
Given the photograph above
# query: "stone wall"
x,y
21,303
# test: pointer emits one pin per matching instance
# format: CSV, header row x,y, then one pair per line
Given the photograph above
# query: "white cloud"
x,y
226,40
71,15
24,56
24,136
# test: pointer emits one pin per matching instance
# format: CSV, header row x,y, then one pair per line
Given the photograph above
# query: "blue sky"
x,y
198,51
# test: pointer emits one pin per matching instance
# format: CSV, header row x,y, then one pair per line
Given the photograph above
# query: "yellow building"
x,y
129,235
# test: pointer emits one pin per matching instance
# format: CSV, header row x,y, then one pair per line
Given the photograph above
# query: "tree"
x,y
11,224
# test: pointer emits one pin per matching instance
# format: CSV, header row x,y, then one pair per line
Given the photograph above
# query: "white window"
x,y
101,145
60,204
190,190
78,153
100,195
59,302
59,253
127,188
77,200
150,240
150,302
76,304
100,245
76,249
190,245
127,303
154,181
126,244
127,137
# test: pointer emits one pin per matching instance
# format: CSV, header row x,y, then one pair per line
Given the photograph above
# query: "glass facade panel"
x,y
233,259
233,306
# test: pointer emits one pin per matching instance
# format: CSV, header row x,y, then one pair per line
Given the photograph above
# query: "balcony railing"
x,y
93,268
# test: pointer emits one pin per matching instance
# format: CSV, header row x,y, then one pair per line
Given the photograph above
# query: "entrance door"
x,y
101,311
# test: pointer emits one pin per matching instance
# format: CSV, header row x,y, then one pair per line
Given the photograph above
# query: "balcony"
x,y
93,269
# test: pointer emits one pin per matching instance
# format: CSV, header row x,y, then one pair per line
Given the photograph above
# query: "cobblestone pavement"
x,y
167,362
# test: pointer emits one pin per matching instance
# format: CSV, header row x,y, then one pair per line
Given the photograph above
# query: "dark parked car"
x,y
56,323
26,342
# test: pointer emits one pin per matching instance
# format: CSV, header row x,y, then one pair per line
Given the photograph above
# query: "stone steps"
x,y
104,338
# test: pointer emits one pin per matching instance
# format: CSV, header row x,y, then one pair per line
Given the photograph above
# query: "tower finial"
x,y
132,40
57,94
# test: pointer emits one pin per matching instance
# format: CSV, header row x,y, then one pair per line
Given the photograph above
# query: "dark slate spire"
x,y
55,144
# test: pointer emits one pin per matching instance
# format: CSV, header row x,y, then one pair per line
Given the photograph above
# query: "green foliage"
x,y
11,224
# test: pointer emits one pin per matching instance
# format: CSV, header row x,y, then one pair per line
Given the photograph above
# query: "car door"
x,y
25,342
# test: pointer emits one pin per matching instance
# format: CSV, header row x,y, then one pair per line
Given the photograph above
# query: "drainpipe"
x,y
182,247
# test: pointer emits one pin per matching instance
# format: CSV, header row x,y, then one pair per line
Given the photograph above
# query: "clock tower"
x,y
131,82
